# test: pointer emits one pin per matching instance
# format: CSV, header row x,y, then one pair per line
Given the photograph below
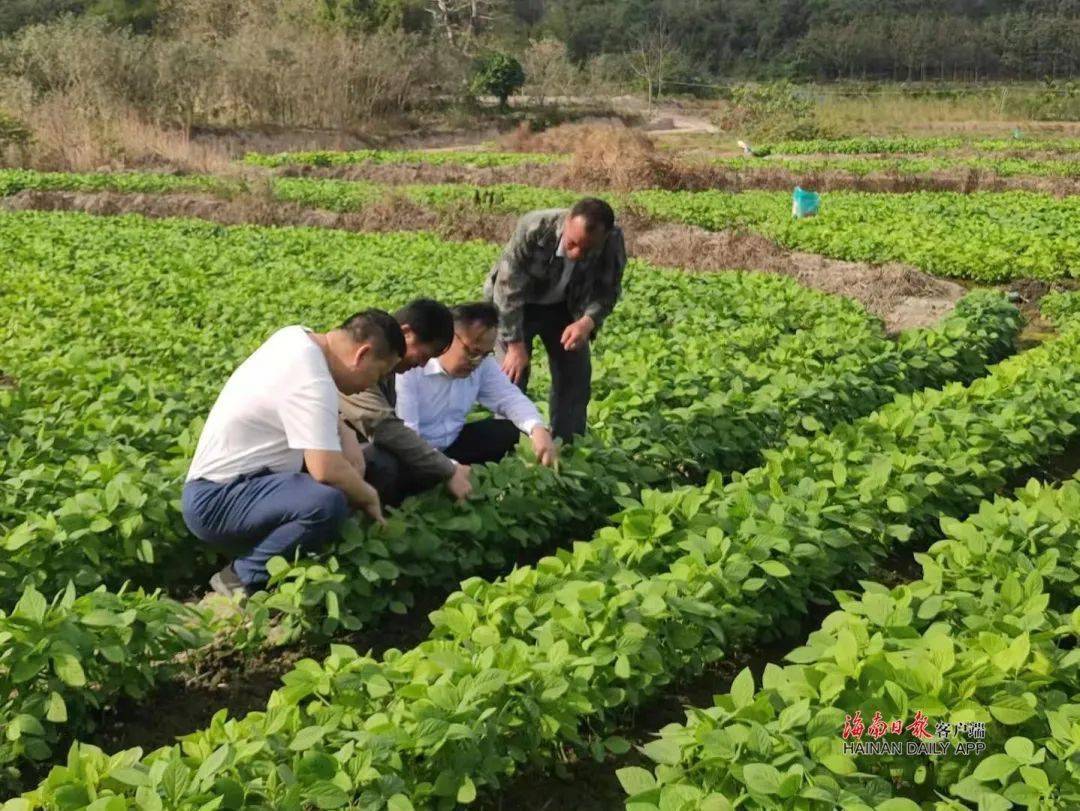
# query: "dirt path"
x,y
900,295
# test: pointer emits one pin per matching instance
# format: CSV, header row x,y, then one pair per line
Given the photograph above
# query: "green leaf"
x,y
896,504
1036,778
1022,749
664,751
467,792
775,568
129,776
69,670
147,799
399,802
897,804
742,689
315,766
326,795
307,737
1011,710
377,685
620,746
996,767
761,778
57,709
635,780
31,605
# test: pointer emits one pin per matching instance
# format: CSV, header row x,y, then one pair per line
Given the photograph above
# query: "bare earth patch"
x,y
900,295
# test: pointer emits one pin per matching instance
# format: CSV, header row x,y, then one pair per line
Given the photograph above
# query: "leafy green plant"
x,y
61,660
983,638
908,166
406,157
515,665
914,146
836,365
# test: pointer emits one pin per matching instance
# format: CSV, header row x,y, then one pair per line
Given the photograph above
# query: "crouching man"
x,y
436,398
398,461
269,476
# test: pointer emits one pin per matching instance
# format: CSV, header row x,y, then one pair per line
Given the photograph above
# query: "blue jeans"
x,y
265,514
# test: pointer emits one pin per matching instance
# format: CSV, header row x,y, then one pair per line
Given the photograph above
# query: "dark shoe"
x,y
227,584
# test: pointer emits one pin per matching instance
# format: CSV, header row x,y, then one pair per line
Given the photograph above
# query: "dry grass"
x,y
69,138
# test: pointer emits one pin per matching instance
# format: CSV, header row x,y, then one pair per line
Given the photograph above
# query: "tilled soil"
x,y
900,295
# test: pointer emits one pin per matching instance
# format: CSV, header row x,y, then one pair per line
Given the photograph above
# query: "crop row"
x,y
985,637
988,236
861,166
515,666
390,156
718,418
914,146
110,526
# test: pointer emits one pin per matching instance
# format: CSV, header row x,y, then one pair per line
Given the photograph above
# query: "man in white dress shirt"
x,y
436,399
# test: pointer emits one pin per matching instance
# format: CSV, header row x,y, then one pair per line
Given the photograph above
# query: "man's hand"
x,y
544,446
576,335
371,504
516,361
460,484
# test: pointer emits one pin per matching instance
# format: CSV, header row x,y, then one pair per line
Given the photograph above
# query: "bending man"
x,y
435,399
399,462
269,475
558,278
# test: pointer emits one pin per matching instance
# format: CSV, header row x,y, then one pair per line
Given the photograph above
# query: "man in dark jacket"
x,y
558,278
398,461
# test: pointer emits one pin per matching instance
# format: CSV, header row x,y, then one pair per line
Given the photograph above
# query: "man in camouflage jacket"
x,y
558,278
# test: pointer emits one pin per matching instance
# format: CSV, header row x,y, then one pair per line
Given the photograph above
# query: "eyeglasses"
x,y
471,352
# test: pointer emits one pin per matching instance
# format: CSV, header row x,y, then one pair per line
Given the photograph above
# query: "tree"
x,y
654,59
460,21
548,68
499,75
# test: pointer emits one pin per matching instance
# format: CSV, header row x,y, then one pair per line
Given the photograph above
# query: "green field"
x,y
757,451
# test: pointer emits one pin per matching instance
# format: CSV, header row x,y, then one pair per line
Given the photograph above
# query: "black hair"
x,y
476,312
430,320
596,213
379,328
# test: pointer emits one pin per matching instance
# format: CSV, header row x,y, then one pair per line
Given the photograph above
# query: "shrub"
x,y
497,74
777,110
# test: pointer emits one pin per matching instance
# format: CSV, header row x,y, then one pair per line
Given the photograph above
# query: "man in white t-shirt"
x,y
269,475
435,399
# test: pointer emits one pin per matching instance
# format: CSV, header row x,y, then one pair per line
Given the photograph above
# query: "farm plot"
x,y
918,146
983,236
405,157
514,666
908,166
141,367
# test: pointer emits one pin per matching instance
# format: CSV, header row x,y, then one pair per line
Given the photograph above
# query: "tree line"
x,y
699,41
